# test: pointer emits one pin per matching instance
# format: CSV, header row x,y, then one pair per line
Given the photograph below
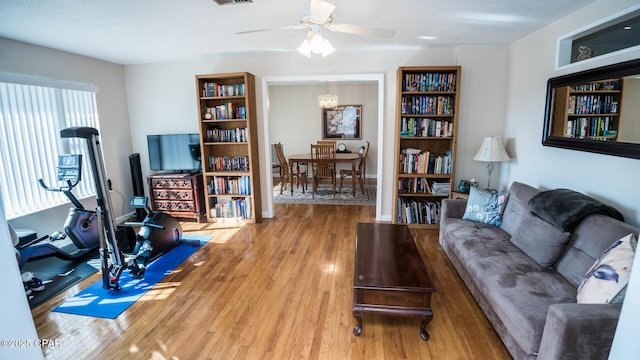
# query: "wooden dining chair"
x,y
331,142
323,165
359,173
287,174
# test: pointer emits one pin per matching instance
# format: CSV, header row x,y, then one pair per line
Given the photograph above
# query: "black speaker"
x,y
136,180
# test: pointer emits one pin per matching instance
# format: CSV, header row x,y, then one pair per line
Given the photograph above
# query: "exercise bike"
x,y
157,233
81,225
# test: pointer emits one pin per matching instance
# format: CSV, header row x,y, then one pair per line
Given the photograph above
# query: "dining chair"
x,y
288,174
331,142
323,164
359,173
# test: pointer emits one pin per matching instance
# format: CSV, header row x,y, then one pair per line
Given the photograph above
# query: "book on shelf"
x,y
612,84
214,89
425,82
427,105
227,185
425,162
424,127
231,208
590,104
414,186
418,211
227,135
227,163
440,188
593,126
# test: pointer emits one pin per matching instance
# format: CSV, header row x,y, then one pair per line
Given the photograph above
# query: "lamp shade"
x,y
492,150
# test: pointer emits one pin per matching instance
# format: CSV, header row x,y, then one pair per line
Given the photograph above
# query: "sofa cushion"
x,y
540,240
606,281
485,206
588,241
517,207
515,287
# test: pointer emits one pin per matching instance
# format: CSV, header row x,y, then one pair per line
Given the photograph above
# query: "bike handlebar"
x,y
69,186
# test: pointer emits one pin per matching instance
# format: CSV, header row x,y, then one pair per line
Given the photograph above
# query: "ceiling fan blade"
x,y
289,27
361,30
320,11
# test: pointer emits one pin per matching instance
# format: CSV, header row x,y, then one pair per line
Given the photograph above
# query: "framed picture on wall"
x,y
342,122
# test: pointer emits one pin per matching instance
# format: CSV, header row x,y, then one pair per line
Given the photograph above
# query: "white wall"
x,y
296,120
165,95
610,179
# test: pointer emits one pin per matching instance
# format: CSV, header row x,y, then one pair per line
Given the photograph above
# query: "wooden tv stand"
x,y
389,276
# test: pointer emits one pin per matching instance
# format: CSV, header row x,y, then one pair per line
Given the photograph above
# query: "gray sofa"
x,y
533,308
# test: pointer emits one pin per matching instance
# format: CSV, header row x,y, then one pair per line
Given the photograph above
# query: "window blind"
x,y
31,118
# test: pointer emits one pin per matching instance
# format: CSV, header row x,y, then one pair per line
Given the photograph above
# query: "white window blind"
x,y
31,118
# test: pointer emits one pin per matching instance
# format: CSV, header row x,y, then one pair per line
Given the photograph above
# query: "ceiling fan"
x,y
320,17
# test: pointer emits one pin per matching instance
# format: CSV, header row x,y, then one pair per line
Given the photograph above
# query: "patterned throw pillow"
x,y
606,281
485,206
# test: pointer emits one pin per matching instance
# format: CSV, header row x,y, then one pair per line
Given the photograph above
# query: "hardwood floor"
x,y
280,289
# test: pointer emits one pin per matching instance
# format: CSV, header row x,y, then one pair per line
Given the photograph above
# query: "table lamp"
x,y
491,150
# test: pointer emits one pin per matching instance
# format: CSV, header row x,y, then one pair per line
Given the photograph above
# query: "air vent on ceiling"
x,y
231,2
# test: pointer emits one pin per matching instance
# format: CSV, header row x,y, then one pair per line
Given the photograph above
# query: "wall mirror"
x,y
596,110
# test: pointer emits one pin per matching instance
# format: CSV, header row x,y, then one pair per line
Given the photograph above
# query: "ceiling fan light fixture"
x,y
315,43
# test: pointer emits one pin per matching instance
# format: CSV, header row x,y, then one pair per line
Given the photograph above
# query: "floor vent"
x,y
232,2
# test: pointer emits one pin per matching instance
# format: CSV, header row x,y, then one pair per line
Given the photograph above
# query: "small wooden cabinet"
x,y
179,195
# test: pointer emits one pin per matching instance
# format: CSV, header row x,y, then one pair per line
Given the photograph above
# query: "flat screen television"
x,y
174,152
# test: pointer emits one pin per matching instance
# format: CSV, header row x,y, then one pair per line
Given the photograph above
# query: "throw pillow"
x,y
606,281
485,206
541,241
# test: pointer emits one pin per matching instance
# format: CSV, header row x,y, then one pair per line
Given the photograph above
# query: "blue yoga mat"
x,y
99,302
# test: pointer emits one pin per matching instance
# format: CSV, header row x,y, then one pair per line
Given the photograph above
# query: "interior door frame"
x,y
268,208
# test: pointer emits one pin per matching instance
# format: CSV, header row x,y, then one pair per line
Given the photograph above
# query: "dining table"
x,y
297,159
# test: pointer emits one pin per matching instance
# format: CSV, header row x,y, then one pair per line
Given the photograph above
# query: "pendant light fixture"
x,y
328,101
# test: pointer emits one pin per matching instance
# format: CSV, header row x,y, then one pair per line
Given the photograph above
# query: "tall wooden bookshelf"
x,y
589,111
229,146
426,127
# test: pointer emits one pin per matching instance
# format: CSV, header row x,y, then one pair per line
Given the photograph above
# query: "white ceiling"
x,y
145,31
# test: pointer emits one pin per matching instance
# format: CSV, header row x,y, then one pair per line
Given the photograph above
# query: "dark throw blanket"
x,y
565,208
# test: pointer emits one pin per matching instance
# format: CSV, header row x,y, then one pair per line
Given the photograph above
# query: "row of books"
x,y
441,188
227,135
429,82
427,105
591,126
226,111
229,185
426,163
598,85
418,211
592,104
226,163
423,186
233,208
214,89
425,127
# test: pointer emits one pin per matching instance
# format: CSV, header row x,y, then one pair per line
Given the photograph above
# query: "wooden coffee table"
x,y
390,276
